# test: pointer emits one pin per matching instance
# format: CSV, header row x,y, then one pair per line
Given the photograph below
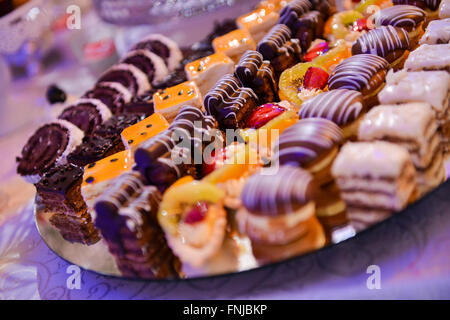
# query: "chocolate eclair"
x,y
164,47
410,18
431,7
48,146
86,114
126,217
59,196
342,106
278,214
300,7
311,144
388,42
255,73
149,63
129,76
280,49
230,103
113,94
365,73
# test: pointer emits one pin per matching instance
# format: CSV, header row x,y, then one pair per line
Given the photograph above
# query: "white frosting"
x,y
125,93
377,159
424,86
429,56
76,136
160,68
141,78
437,30
175,56
444,9
102,108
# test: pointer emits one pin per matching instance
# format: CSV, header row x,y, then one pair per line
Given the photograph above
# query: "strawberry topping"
x,y
360,25
197,213
316,51
315,78
264,114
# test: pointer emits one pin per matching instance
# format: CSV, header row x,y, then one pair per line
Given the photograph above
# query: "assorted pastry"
x,y
256,144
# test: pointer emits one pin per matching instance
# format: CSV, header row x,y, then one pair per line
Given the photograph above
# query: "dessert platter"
x,y
291,128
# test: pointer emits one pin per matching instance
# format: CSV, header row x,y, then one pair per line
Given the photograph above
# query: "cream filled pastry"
x,y
437,32
278,214
413,126
343,107
429,57
376,179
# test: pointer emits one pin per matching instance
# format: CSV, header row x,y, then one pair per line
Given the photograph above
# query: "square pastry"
x,y
234,44
258,22
437,32
133,136
169,101
429,57
205,72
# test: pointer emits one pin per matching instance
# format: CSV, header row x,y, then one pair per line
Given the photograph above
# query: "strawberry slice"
x,y
197,213
316,51
360,25
264,114
315,78
216,160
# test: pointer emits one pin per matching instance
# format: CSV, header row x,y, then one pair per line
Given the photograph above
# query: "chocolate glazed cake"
x,y
58,195
126,217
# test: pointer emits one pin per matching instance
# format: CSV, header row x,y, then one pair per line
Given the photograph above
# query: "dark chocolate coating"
x,y
94,148
300,7
114,126
60,179
112,98
423,4
309,27
42,149
124,77
271,44
84,115
402,16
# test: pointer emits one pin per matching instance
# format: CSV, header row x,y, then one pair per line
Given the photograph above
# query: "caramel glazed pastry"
x,y
388,42
313,144
407,17
127,219
342,106
376,179
278,214
365,73
412,126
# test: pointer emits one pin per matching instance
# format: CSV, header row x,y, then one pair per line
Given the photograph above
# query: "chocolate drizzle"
x,y
274,41
402,16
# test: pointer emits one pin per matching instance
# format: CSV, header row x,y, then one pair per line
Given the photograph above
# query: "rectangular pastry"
x,y
376,179
437,32
414,127
133,136
422,86
258,22
234,44
126,217
429,57
205,72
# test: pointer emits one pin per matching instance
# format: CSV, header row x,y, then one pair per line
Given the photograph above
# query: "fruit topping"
x,y
316,51
264,114
315,78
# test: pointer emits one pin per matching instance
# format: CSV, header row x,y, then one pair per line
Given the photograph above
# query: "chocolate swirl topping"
x,y
271,44
341,106
381,41
85,115
356,72
271,194
112,94
402,16
306,142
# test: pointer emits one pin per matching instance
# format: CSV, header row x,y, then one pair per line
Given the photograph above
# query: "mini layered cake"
x,y
388,42
205,72
126,217
146,129
414,127
408,17
129,76
376,179
344,107
258,22
312,144
437,32
49,146
429,57
234,44
432,87
59,197
169,101
257,74
150,64
99,175
113,94
365,73
86,114
163,47
230,103
278,48
278,214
